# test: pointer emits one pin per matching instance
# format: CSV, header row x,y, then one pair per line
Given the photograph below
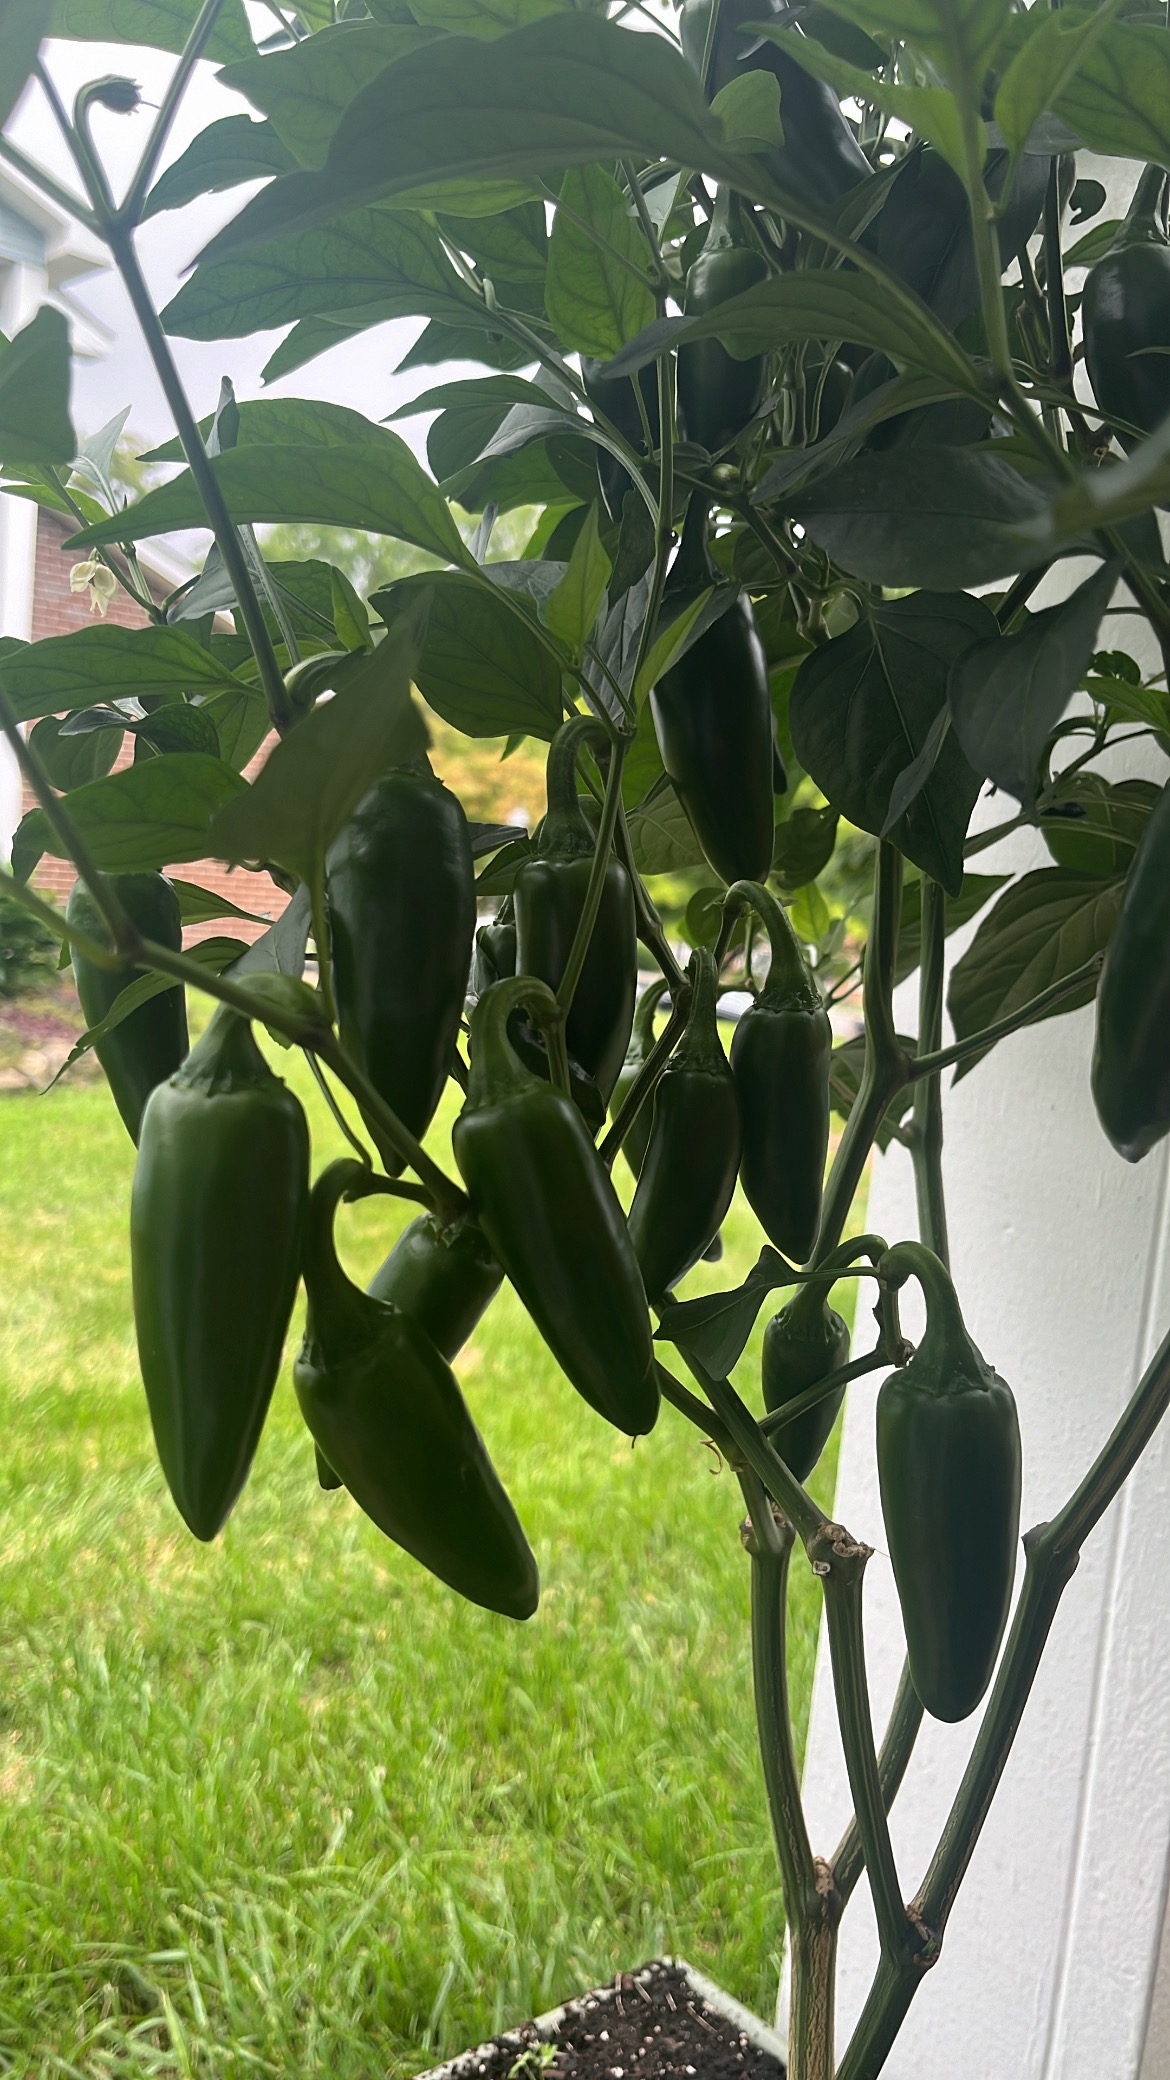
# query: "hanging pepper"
x,y
216,1221
803,1344
780,1057
1125,316
151,1042
549,897
495,950
688,1177
949,1468
442,1277
637,1135
713,719
616,397
1131,1059
388,1417
820,157
400,888
551,1216
718,394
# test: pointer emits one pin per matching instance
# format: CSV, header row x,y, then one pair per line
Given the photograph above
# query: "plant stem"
x,y
929,1065
47,186
841,1563
121,244
566,988
160,129
664,529
753,1447
1052,1552
90,949
801,1403
893,1760
695,1411
646,1078
76,848
886,1068
926,1132
650,930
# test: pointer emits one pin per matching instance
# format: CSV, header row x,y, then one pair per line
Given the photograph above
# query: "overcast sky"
x,y
358,373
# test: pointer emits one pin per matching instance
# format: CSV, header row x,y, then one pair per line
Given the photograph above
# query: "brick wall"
x,y
57,611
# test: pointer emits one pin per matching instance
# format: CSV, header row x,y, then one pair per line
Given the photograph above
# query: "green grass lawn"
x,y
285,1805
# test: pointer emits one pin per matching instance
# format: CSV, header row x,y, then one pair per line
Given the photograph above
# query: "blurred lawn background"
x,y
284,1805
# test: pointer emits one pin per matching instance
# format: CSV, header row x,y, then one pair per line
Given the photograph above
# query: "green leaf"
x,y
572,609
470,416
315,777
749,109
1044,927
23,23
805,843
669,645
929,111
241,724
482,18
935,517
594,301
379,487
197,905
715,1327
108,663
815,304
212,954
369,257
71,760
176,726
568,91
977,889
661,837
1043,67
1007,694
862,707
154,814
1119,100
958,36
305,91
163,24
228,152
276,422
35,426
481,667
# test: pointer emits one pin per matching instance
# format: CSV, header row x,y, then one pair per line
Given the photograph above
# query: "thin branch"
x,y
160,130
944,1057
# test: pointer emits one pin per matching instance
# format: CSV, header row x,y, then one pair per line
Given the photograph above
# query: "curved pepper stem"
x,y
566,831
789,986
226,1056
948,1356
644,1018
813,1292
700,1046
337,1307
1144,223
496,1069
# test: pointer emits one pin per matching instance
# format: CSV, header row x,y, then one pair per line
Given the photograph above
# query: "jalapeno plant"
x,y
776,310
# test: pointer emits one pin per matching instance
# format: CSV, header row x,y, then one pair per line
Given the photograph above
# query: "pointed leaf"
x,y
227,153
384,491
35,426
862,708
305,91
315,777
164,24
481,668
574,606
940,518
595,303
108,663
1045,926
1007,694
715,1327
155,814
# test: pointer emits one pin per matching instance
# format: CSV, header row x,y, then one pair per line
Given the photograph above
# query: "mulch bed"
x,y
652,2026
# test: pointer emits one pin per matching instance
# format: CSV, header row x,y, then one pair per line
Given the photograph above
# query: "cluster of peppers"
x,y
217,1264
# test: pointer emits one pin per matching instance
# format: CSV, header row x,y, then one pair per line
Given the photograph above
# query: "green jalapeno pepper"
x,y
1131,1059
549,898
150,1042
688,1177
803,1344
1125,316
949,1468
551,1215
780,1057
387,1416
216,1221
400,889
